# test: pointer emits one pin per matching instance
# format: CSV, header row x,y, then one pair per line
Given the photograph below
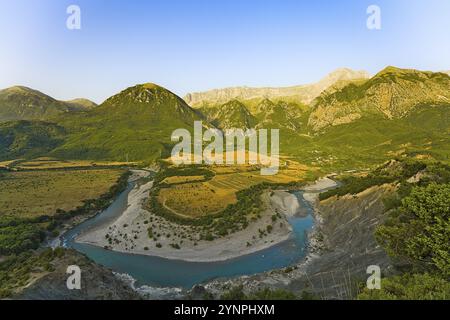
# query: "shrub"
x,y
419,230
410,287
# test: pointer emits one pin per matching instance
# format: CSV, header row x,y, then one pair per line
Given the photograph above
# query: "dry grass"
x,y
6,164
182,179
204,198
195,199
50,163
34,193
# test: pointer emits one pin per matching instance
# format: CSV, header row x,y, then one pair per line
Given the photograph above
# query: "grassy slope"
x,y
393,93
138,122
144,136
28,138
374,139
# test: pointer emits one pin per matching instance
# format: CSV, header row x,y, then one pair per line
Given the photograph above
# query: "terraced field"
x,y
196,199
6,164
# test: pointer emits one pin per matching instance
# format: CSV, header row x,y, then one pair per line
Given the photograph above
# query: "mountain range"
x,y
347,116
393,93
301,93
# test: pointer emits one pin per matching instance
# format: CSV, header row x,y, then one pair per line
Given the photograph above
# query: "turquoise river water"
x,y
160,272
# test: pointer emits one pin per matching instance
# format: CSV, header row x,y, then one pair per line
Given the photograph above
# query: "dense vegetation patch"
x,y
419,230
237,293
18,234
16,271
416,231
416,234
28,138
410,287
182,172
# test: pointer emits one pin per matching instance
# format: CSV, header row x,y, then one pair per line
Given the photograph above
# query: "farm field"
x,y
42,192
6,164
196,199
51,163
178,179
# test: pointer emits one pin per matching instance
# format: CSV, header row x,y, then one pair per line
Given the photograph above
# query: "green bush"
x,y
16,238
15,270
419,230
237,293
268,294
410,287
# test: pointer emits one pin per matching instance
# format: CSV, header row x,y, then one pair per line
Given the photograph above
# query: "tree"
x,y
236,293
277,294
410,287
419,230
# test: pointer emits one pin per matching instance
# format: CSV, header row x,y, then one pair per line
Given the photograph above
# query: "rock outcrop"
x,y
303,93
97,283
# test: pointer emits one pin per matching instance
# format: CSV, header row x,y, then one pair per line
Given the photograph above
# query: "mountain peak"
x,y
232,114
146,93
24,103
400,71
22,90
81,103
234,103
343,74
391,69
349,71
150,86
18,89
137,121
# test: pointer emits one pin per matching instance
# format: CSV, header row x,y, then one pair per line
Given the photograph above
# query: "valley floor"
x,y
129,233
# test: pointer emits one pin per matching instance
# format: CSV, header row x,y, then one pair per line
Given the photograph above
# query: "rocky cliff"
x,y
303,93
97,282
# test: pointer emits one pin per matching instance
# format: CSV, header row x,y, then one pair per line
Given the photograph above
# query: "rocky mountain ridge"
x,y
303,93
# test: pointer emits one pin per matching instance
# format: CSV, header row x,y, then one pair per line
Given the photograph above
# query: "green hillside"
x,y
372,139
232,114
283,115
81,104
28,139
289,117
392,93
135,124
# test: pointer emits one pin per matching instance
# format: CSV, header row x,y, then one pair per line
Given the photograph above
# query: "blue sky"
x,y
195,45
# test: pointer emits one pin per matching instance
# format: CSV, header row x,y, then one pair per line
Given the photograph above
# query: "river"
x,y
160,272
